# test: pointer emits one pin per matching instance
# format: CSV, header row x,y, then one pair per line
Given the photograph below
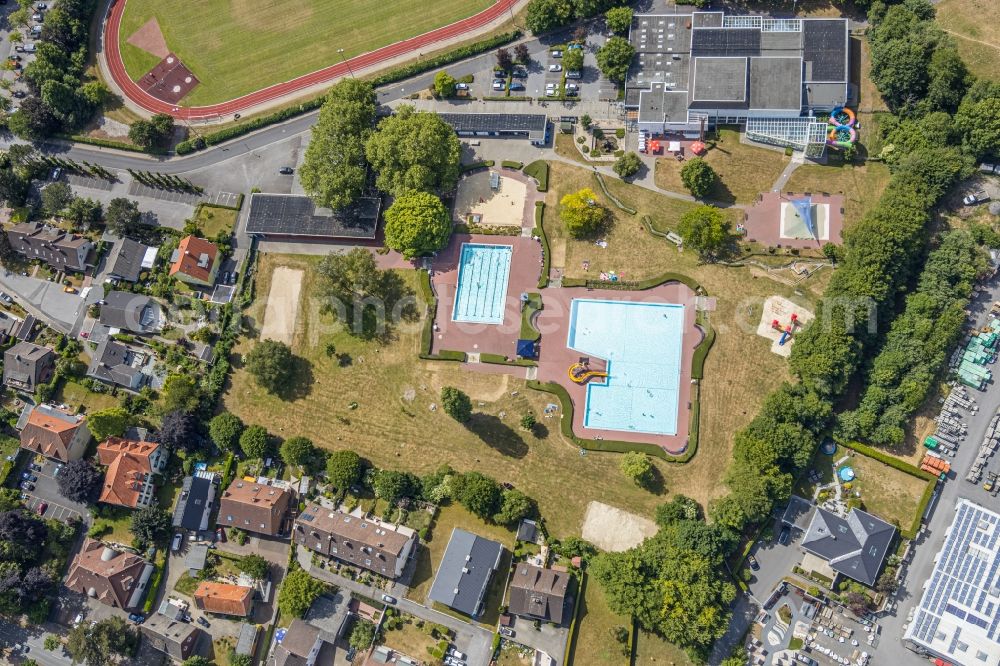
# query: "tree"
x,y
153,133
179,430
698,176
582,214
678,508
181,393
122,217
627,165
271,364
79,481
254,566
978,118
298,451
514,507
521,54
637,467
414,150
504,60
150,526
334,169
255,442
544,15
22,536
416,224
8,255
479,494
619,19
225,430
362,634
615,57
528,421
34,120
456,404
240,659
444,84
110,422
298,592
84,211
102,643
197,660
573,60
706,230
52,643
56,197
343,469
392,486
359,293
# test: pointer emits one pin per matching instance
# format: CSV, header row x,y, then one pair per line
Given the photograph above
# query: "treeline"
x,y
918,343
544,15
60,101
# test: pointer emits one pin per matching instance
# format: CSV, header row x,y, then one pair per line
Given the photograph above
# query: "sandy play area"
x,y
781,309
615,530
282,305
503,206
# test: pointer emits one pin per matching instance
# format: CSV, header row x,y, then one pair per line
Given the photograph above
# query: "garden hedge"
x,y
110,143
500,359
510,164
617,202
465,168
539,170
543,279
701,352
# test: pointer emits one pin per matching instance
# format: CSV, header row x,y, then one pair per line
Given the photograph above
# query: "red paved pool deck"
x,y
763,220
555,357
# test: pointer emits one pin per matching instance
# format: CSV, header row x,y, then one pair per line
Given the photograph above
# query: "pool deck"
x,y
553,322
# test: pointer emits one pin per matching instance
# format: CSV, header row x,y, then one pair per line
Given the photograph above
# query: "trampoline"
x,y
828,448
846,473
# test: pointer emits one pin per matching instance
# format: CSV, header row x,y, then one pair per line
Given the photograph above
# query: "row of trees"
x,y
545,15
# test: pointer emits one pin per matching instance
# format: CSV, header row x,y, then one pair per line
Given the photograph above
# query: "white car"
x,y
572,86
30,47
176,544
461,86
78,619
499,85
555,67
556,53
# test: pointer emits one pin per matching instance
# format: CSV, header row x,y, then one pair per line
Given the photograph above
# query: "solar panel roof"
x,y
294,215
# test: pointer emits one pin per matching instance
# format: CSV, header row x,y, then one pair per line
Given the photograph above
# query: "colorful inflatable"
x,y
842,133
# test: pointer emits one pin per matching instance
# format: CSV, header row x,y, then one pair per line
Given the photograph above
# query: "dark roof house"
x,y
297,216
194,507
254,507
60,250
26,365
174,638
129,258
538,593
303,645
119,364
124,310
465,571
855,546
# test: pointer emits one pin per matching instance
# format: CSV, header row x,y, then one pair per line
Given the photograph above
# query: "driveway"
x,y
47,491
47,300
550,640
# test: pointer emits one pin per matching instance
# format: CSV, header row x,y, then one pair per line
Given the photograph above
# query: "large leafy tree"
x,y
150,526
110,422
619,19
444,84
636,467
417,223
456,404
56,197
392,486
181,393
298,592
582,214
514,506
271,364
334,168
414,150
122,217
79,481
479,494
153,133
299,451
254,566
179,430
698,176
706,230
627,165
102,643
978,118
344,468
573,60
360,294
544,15
22,536
33,120
255,442
615,57
225,429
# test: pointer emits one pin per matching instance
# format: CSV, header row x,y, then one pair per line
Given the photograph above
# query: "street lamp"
x,y
341,52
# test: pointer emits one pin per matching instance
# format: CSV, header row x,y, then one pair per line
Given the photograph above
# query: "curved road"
x,y
414,45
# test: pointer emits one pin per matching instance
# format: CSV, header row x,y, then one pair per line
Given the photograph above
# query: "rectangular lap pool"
x,y
642,343
481,293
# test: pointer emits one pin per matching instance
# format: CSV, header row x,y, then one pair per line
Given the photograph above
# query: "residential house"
x,y
26,331
303,645
55,433
112,577
538,593
195,261
131,465
369,543
129,258
175,638
194,507
26,365
115,363
125,311
254,507
855,546
60,250
465,572
224,599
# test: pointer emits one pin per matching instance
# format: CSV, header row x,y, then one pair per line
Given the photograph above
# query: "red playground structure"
x,y
786,331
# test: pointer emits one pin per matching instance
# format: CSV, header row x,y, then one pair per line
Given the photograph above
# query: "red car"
x,y
41,508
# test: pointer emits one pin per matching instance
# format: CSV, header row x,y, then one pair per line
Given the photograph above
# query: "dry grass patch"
x,y
887,492
976,31
653,649
871,98
862,186
595,643
743,170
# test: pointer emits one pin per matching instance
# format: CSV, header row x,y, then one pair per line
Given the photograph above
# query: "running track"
x,y
414,45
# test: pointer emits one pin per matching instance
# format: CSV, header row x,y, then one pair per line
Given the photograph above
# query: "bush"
x,y
510,164
539,170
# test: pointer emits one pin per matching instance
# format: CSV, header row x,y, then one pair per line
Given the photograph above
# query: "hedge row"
x,y
574,626
450,355
109,143
465,168
539,170
543,279
534,304
500,359
156,581
701,353
638,285
392,76
511,164
485,230
614,199
427,335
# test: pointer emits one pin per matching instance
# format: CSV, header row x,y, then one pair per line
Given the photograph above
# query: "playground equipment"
x,y
787,331
841,132
580,373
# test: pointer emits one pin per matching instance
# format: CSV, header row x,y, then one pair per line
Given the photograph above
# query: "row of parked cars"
x,y
500,83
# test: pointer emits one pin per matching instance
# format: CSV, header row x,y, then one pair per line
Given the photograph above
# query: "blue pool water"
x,y
642,345
481,293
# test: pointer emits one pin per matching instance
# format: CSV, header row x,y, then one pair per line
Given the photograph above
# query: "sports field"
x,y
235,47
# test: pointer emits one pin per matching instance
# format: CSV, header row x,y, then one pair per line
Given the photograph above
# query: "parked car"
x,y
56,173
752,561
27,485
136,617
18,48
203,622
35,466
5,298
78,619
572,86
41,508
30,47
28,476
461,86
516,86
57,469
453,652
387,599
574,74
556,53
572,93
286,171
499,85
41,6
976,198
785,535
520,74
555,67
19,94
38,17
69,290
15,57
507,631
175,545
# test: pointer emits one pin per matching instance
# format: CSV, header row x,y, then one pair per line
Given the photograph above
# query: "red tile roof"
x,y
224,598
189,253
128,464
50,431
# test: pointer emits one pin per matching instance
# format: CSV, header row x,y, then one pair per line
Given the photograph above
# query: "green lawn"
x,y
594,643
862,186
976,35
235,47
186,584
75,395
214,221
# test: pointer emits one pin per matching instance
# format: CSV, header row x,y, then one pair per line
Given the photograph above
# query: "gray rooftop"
x,y
195,503
855,547
530,124
196,556
465,571
125,261
295,215
798,513
113,362
247,639
776,83
720,80
131,312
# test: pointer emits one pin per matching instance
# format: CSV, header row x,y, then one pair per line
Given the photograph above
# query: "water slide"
x,y
580,374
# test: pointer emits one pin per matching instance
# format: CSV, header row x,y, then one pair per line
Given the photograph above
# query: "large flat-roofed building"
x,y
292,216
705,68
958,618
530,126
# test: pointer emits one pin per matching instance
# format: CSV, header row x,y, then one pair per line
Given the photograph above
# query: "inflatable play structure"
x,y
786,331
842,133
580,373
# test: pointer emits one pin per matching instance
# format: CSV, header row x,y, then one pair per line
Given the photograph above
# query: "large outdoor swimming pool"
x,y
642,343
480,295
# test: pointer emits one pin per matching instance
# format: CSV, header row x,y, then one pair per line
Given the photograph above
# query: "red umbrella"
x,y
697,148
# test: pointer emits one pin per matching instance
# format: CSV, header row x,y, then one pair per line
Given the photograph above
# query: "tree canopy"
x,y
582,214
416,224
414,150
707,230
456,404
298,592
103,642
109,422
619,19
225,430
153,133
254,566
79,481
615,57
179,430
343,469
271,364
255,442
122,217
627,165
698,176
299,452
444,84
637,467
479,494
150,525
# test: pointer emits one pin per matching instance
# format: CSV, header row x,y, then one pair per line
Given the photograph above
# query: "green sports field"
x,y
235,47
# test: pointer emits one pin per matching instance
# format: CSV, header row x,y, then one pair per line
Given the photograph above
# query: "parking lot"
x,y
45,491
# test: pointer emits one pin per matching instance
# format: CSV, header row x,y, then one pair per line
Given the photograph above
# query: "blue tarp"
x,y
526,349
804,208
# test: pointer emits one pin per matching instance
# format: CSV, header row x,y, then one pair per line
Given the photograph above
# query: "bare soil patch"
x,y
282,305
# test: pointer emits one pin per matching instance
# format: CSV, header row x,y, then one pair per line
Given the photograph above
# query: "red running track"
x,y
412,45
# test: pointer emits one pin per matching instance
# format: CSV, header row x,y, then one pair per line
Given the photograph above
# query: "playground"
x,y
804,221
780,320
492,198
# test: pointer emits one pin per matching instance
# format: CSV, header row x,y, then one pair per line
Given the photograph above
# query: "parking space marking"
x,y
139,190
89,182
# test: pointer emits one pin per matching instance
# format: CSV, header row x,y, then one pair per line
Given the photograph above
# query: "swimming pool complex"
x,y
642,343
483,271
